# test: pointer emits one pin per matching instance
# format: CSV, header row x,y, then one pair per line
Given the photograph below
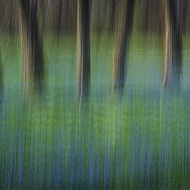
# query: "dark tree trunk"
x,y
32,44
176,17
121,48
83,36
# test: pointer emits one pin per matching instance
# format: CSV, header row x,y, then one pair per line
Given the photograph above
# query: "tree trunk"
x,y
32,44
121,48
174,18
167,42
83,40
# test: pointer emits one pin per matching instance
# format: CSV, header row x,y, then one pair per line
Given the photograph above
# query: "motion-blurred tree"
x,y
121,48
83,38
174,15
32,44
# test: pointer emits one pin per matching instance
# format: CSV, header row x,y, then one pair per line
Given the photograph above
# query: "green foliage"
x,y
137,143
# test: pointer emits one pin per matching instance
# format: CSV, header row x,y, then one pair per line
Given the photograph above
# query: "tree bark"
x,y
32,44
121,48
83,35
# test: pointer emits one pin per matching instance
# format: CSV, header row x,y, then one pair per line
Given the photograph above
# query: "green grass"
x,y
49,143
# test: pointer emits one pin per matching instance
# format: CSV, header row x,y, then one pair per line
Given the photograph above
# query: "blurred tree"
x,y
167,41
174,15
32,44
121,48
83,38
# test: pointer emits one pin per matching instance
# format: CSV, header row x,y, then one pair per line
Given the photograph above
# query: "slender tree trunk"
x,y
121,48
32,44
167,42
83,36
174,17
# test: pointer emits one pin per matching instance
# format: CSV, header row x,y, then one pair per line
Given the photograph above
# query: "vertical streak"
x,y
121,48
83,39
32,45
167,44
